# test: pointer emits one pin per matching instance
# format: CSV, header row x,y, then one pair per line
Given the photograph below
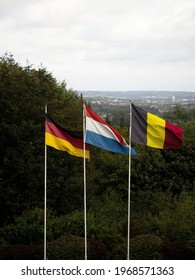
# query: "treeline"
x,y
162,183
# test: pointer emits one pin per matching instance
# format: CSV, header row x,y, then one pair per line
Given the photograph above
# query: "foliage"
x,y
120,252
190,248
21,252
111,173
145,247
24,91
106,220
66,248
74,223
97,250
177,221
179,250
142,247
73,248
28,228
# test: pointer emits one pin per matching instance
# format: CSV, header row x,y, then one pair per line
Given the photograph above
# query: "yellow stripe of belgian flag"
x,y
155,131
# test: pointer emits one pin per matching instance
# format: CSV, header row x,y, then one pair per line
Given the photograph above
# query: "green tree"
x,y
24,91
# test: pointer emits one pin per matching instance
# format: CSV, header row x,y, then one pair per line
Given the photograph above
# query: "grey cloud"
x,y
99,38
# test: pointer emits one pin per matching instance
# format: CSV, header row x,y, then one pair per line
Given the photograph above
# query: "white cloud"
x,y
105,44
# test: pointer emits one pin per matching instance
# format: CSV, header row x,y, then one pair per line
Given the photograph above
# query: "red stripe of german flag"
x,y
64,140
150,130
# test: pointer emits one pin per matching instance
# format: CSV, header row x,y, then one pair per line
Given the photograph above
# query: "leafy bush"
x,y
190,248
29,229
97,250
179,250
21,252
142,247
106,220
64,248
177,220
138,225
174,250
73,248
120,252
145,247
74,223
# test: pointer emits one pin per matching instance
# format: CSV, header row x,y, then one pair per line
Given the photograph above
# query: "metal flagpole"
x,y
129,184
85,192
45,200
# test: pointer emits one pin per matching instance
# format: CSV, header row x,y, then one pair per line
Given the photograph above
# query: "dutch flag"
x,y
102,135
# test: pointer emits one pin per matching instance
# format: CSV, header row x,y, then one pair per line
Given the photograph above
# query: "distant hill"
x,y
137,94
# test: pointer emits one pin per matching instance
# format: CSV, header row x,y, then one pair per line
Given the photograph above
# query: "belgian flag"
x,y
64,140
152,131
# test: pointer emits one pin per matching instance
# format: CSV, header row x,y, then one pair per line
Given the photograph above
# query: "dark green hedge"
x,y
142,247
64,248
179,250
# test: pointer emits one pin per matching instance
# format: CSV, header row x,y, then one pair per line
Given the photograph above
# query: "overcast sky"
x,y
104,44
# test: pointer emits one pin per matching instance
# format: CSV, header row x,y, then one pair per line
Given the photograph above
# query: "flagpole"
x,y
45,201
129,185
85,192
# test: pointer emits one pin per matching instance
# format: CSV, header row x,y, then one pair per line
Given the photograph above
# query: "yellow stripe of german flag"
x,y
64,145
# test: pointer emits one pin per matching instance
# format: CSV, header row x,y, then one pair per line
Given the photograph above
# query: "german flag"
x,y
64,140
150,130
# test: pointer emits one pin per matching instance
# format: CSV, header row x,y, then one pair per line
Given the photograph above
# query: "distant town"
x,y
161,100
